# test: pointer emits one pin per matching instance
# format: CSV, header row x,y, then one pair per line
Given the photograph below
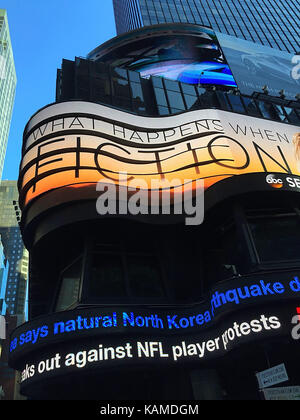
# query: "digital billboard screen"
x,y
193,57
72,145
255,66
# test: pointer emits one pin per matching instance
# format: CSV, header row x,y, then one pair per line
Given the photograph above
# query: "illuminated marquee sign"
x,y
75,144
224,299
68,341
101,352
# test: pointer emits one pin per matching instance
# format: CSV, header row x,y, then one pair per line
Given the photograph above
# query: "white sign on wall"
x,y
283,393
2,328
272,376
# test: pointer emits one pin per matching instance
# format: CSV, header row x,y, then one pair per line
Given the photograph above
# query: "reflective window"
x,y
222,97
190,101
144,277
162,110
136,90
200,90
137,98
280,113
106,276
116,72
293,117
101,89
267,110
175,100
157,82
134,76
172,85
223,255
123,271
125,89
122,102
69,288
160,97
121,87
251,108
176,111
188,89
236,103
276,238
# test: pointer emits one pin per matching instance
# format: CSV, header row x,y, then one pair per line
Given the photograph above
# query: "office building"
x,y
7,324
15,252
13,283
8,376
3,278
160,199
273,23
8,82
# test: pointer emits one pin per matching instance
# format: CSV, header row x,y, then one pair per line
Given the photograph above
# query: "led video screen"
x,y
255,66
72,145
189,57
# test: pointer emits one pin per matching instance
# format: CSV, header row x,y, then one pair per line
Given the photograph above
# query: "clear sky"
x,y
43,32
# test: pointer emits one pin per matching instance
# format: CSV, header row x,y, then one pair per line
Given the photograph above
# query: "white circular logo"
x,y
273,181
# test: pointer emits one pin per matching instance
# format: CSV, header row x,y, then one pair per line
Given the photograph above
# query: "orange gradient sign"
x,y
77,143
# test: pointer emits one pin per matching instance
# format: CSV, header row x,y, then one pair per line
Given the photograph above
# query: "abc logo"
x,y
274,182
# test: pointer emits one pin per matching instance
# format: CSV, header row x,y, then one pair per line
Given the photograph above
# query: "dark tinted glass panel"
x,y
106,277
160,97
139,107
162,110
211,99
251,107
144,277
222,98
107,246
222,257
280,113
172,85
82,66
137,92
267,110
133,244
292,115
100,68
176,111
190,100
121,87
188,89
201,90
175,100
157,82
134,76
69,290
83,93
119,72
277,239
122,102
236,103
101,88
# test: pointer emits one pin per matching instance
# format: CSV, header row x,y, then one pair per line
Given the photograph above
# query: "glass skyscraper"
x,y
274,23
8,82
15,252
3,278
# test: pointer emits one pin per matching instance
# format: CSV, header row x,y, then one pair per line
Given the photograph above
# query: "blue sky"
x,y
43,32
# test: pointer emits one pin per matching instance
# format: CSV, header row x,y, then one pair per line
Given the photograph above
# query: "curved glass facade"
x,y
126,89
